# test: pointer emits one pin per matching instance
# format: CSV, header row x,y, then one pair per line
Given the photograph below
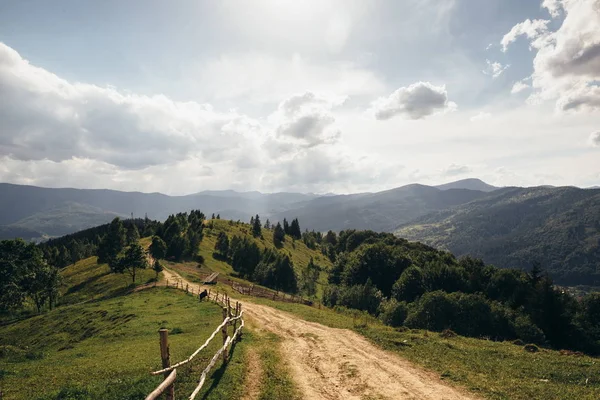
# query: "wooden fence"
x,y
231,316
257,291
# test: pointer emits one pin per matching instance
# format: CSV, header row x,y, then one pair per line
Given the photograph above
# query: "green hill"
x,y
514,227
102,340
298,252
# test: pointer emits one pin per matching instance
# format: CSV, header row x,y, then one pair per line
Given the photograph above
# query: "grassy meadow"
x,y
103,341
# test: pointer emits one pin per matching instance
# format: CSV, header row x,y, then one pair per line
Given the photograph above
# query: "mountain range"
x,y
32,211
509,227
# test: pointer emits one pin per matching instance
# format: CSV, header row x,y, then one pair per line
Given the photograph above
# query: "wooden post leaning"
x,y
166,360
224,331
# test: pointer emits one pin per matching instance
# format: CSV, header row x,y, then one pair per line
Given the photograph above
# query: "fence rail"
x,y
231,316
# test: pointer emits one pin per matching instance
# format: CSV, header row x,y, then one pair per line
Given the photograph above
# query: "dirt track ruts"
x,y
329,363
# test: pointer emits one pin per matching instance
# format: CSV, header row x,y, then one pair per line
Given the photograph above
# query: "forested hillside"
x,y
514,227
414,285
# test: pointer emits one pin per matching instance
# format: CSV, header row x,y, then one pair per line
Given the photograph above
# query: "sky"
x,y
305,96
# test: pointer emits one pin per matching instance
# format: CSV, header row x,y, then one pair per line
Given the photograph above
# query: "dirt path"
x,y
328,363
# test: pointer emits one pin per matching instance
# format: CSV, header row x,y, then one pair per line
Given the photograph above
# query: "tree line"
x,y
417,286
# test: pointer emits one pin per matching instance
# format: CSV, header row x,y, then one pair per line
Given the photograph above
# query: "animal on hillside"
x,y
203,294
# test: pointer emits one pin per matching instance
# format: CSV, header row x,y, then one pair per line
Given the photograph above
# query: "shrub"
x,y
392,312
528,331
435,311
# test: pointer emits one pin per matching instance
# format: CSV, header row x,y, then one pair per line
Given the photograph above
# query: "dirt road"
x,y
328,363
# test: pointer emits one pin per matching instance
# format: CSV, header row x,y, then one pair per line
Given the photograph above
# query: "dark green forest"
x,y
412,284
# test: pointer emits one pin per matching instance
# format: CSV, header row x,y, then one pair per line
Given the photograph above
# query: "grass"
x,y
87,280
103,341
495,370
276,382
105,349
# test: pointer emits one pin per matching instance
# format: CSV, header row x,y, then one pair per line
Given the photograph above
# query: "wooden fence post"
x,y
236,314
239,306
224,331
166,360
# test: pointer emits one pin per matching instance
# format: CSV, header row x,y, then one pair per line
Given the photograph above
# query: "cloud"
x,y
46,117
531,29
495,69
519,87
416,101
456,169
554,7
567,61
59,133
308,118
481,116
595,139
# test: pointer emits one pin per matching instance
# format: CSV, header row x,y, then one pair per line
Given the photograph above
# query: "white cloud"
x,y
495,69
519,87
532,29
46,117
59,133
481,116
308,118
595,139
456,169
554,7
416,101
567,62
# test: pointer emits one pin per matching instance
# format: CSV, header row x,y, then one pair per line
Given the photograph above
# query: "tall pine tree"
x,y
286,227
112,244
295,231
278,235
256,227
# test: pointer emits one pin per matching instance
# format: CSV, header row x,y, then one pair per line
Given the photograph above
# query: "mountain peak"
x,y
470,184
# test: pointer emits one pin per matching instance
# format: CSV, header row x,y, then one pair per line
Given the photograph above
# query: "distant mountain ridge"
x,y
514,227
32,211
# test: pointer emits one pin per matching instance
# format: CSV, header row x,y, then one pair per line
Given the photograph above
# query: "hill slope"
x,y
513,227
102,341
382,211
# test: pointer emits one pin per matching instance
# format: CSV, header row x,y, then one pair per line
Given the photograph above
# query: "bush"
x,y
528,331
435,311
392,312
361,297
